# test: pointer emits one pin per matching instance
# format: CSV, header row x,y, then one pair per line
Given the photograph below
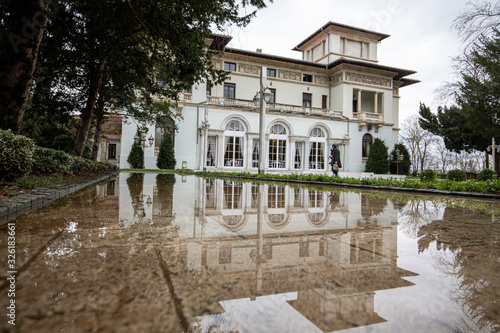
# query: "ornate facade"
x,y
336,94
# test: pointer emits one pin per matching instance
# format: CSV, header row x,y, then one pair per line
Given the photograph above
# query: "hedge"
x,y
19,156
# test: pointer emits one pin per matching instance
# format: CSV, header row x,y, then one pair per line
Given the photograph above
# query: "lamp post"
x,y
141,142
398,158
494,149
261,98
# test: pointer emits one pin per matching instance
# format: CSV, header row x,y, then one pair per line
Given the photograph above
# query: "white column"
x,y
262,120
359,100
375,102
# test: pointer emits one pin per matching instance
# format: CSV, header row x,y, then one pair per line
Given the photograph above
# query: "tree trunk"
x,y
86,116
97,136
18,58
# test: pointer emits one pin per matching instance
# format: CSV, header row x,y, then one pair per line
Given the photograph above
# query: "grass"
x,y
471,186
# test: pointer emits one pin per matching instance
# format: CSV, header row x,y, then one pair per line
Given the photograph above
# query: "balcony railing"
x,y
294,109
368,117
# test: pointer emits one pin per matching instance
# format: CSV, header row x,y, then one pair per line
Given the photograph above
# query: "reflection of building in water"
x,y
330,250
107,204
334,249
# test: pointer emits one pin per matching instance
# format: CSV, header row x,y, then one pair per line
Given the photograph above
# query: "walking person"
x,y
335,160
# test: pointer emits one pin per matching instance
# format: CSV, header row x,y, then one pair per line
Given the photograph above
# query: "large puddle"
x,y
174,253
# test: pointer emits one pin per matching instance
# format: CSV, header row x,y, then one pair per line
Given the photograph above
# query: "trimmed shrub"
x,y
378,158
428,175
82,165
166,155
403,167
487,174
457,175
50,161
16,155
136,156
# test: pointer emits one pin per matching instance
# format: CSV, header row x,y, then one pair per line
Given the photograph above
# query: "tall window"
x,y
165,126
299,155
229,90
272,100
233,144
211,151
112,151
317,151
277,146
367,143
306,100
209,88
324,102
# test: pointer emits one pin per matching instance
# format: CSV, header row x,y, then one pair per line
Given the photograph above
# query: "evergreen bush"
x,y
16,155
457,175
487,174
378,161
428,175
166,155
50,161
403,168
136,155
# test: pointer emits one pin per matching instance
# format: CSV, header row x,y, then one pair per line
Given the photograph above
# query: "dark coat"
x,y
335,157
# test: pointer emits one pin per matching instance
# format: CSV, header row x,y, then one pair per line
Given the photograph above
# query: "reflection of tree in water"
x,y
372,206
135,182
417,213
472,237
163,198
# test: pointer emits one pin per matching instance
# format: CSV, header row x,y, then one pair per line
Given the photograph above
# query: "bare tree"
x,y
481,18
444,156
469,162
419,142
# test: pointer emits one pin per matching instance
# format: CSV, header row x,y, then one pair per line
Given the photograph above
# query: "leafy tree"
x,y
166,155
22,24
475,119
163,39
402,168
136,156
378,161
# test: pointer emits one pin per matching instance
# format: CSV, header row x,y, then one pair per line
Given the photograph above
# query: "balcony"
x,y
365,118
284,108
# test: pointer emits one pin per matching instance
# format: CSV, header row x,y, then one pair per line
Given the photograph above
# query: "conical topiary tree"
x,y
166,155
403,168
378,161
136,155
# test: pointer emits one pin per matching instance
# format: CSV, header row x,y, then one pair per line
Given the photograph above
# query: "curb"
x,y
13,207
371,187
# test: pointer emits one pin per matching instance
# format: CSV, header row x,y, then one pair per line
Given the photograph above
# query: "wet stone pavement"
x,y
175,253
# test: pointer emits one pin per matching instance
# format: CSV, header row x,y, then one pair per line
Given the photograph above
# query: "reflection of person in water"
x,y
334,200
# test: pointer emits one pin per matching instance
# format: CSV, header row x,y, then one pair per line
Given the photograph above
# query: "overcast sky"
x,y
421,37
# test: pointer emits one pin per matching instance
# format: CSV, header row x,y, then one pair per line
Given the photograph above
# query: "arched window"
x,y
317,151
235,125
234,136
277,147
165,125
367,143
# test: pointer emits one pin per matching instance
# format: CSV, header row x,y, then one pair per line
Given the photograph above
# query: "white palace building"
x,y
337,94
